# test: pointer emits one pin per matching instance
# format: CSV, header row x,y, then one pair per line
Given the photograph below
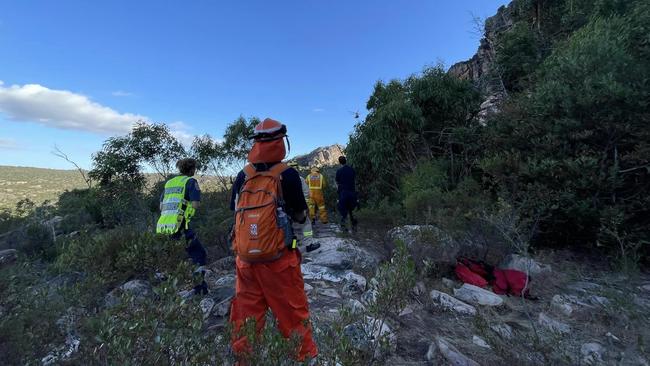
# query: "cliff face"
x,y
322,156
481,69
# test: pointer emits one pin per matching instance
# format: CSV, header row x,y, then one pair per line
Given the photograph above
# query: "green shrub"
x,y
120,254
164,329
28,320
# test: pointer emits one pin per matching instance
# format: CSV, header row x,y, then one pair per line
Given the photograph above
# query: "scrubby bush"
x,y
120,254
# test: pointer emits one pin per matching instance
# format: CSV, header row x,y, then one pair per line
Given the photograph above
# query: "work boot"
x,y
311,247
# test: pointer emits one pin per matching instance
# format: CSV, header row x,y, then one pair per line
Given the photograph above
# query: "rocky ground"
x,y
582,315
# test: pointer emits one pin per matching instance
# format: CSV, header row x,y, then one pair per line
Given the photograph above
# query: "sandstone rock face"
x,y
322,156
480,69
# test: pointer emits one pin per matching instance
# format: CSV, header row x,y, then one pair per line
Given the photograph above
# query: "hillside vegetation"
x,y
35,184
563,144
531,156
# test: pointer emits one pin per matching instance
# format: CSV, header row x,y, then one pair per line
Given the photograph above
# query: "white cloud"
x,y
181,131
122,93
8,144
62,109
318,110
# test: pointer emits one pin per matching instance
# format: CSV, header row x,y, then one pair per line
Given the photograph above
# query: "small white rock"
x,y
480,342
503,330
329,292
592,353
206,306
452,354
448,302
561,305
553,325
448,283
478,296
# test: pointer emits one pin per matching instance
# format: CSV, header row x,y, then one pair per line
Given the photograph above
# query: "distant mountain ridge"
x,y
321,156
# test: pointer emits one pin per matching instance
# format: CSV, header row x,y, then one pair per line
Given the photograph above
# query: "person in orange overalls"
x,y
277,283
316,183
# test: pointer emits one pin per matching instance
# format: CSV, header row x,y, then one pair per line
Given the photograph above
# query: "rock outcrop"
x,y
481,68
322,156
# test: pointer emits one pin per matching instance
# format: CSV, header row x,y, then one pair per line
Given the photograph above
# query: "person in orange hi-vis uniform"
x,y
316,183
275,281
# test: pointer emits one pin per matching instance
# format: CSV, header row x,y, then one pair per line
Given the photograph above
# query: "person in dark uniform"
x,y
345,182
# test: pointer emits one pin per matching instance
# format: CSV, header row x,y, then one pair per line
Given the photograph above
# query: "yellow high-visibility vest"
x,y
315,181
175,208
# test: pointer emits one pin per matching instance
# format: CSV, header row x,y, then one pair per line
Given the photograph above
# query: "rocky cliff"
x,y
481,69
322,156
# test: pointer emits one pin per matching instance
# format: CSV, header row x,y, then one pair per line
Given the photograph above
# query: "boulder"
x,y
477,296
553,325
449,352
340,254
427,242
371,333
449,303
139,290
354,284
592,353
7,257
524,264
358,280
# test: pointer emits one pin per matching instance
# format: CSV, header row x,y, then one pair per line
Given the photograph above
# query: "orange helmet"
x,y
269,129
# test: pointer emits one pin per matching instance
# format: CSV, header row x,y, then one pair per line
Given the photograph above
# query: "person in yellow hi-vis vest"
x,y
178,204
316,183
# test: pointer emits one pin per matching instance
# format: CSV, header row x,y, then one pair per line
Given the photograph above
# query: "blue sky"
x,y
75,72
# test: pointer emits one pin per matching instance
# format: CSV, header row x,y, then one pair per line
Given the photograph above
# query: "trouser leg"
x,y
197,253
322,210
285,294
307,232
248,303
311,204
195,249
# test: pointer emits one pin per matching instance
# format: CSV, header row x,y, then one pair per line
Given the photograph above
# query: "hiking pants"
x,y
277,285
196,252
316,200
347,203
306,230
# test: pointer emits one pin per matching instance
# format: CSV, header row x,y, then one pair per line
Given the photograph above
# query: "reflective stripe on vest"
x,y
315,181
172,214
